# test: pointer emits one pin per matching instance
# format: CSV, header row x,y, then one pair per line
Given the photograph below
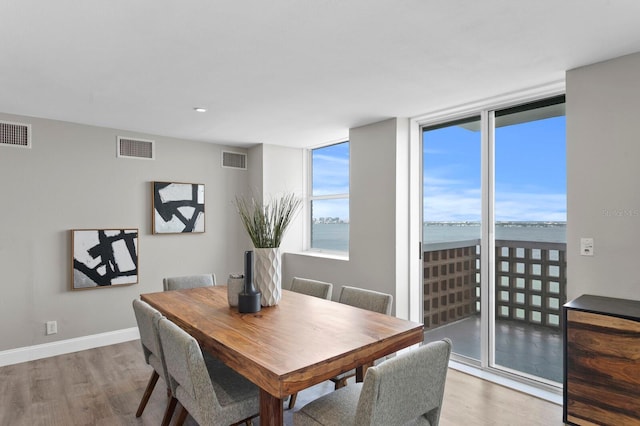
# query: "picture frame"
x,y
103,258
177,207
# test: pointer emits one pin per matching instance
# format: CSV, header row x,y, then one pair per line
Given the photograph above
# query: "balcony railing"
x,y
451,282
530,282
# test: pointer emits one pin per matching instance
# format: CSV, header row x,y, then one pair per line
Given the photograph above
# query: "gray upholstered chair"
x,y
147,318
211,392
315,288
188,281
365,299
309,287
405,390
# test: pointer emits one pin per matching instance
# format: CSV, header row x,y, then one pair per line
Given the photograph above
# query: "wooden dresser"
x,y
601,361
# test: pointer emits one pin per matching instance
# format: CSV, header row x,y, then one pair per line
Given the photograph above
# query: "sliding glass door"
x,y
530,239
452,212
494,219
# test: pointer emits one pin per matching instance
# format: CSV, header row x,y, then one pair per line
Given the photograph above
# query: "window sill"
x,y
323,255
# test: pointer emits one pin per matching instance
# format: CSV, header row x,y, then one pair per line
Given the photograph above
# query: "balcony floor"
x,y
531,349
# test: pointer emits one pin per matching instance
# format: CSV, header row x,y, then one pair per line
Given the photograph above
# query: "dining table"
x,y
283,349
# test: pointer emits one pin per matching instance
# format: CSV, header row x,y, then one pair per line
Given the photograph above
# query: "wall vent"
x,y
15,134
135,148
234,160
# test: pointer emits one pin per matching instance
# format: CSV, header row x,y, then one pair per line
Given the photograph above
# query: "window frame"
x,y
333,196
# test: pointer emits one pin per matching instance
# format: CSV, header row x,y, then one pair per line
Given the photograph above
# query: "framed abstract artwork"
x,y
103,258
177,207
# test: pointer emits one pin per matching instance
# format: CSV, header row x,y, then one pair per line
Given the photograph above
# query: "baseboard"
x,y
46,350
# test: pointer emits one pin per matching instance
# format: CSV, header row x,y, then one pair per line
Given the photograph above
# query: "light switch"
x,y
586,246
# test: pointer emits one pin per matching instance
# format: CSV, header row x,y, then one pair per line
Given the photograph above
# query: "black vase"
x,y
249,298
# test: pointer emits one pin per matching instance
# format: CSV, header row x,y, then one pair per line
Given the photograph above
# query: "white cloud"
x,y
329,159
331,174
531,207
441,206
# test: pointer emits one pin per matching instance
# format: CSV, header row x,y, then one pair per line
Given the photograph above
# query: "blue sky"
x,y
530,178
331,176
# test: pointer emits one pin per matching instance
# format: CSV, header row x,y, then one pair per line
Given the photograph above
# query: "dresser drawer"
x,y
602,366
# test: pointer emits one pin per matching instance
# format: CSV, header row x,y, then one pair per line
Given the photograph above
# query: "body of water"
x,y
330,236
550,232
335,236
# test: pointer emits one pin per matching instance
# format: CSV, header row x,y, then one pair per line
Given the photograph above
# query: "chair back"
x,y
147,318
211,392
188,281
188,376
366,299
309,287
406,388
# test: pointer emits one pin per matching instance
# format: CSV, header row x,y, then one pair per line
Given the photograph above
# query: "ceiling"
x,y
289,72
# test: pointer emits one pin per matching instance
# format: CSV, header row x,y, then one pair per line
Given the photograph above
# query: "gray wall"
x,y
372,192
603,195
71,179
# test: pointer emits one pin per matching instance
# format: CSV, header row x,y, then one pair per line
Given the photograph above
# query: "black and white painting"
x,y
104,257
178,207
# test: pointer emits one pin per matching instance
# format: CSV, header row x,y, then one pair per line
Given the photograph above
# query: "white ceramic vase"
x,y
268,275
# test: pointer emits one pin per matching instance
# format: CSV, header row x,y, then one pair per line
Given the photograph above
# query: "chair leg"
x,y
168,413
292,400
181,417
147,393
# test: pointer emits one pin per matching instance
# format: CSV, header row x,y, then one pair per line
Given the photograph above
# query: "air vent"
x,y
234,160
15,134
135,148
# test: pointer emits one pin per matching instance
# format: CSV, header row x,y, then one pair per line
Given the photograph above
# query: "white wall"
x,y
283,172
276,170
372,239
408,300
603,154
71,179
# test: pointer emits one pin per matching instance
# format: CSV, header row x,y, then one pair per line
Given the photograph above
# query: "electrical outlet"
x,y
52,327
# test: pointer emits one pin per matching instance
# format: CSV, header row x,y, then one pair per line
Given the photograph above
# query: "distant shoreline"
x,y
498,223
542,231
335,236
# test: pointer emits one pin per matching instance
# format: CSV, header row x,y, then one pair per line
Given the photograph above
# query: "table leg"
x,y
361,371
271,412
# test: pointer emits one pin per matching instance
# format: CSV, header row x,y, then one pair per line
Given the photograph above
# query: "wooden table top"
x,y
296,344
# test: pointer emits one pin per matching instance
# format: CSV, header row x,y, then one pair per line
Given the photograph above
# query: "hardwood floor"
x,y
103,386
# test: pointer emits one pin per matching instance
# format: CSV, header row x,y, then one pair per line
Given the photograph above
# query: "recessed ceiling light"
x,y
198,109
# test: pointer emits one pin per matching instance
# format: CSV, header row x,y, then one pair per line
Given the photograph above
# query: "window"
x,y
329,200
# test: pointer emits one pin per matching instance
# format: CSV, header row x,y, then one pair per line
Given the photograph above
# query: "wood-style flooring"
x,y
103,386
